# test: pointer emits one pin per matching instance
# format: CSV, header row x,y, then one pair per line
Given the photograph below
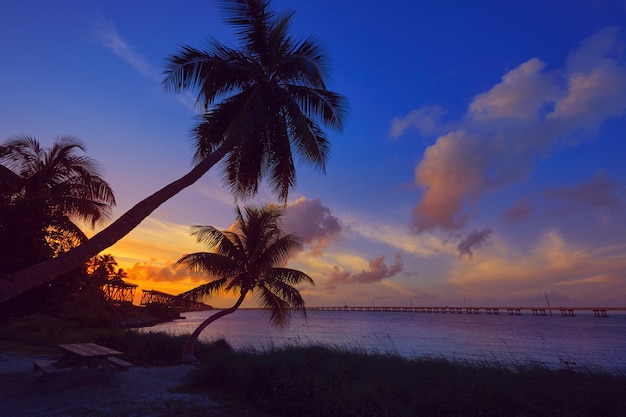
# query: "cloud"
x,y
519,213
473,240
106,34
452,171
394,236
523,117
424,120
596,80
378,271
521,94
598,192
584,275
158,272
312,222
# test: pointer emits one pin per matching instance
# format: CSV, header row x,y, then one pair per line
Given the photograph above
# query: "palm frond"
x,y
279,251
251,19
288,294
212,264
325,105
290,276
279,308
207,290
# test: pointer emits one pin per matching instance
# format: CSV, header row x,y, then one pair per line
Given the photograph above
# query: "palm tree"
x,y
45,192
247,258
102,268
262,103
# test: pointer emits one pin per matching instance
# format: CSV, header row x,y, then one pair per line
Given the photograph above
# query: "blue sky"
x,y
483,159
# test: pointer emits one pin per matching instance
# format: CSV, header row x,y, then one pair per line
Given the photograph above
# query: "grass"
x,y
309,381
323,381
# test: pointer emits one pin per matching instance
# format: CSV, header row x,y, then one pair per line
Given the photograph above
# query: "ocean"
x,y
584,341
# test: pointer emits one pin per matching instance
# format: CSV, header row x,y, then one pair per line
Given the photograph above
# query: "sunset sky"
x,y
483,161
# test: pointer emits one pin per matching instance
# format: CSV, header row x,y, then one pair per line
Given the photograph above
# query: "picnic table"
x,y
82,359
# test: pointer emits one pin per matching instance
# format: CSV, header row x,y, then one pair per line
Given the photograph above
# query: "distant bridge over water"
x,y
513,311
175,302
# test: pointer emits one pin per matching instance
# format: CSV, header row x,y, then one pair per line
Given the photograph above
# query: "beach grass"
x,y
330,381
326,381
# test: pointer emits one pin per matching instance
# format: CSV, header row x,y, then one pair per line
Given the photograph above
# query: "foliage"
x,y
247,258
44,191
140,347
264,108
79,294
261,101
326,381
321,381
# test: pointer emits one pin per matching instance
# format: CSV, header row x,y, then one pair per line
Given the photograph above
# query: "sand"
x,y
145,392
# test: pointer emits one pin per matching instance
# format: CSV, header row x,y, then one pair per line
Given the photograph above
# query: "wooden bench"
x,y
81,360
119,365
48,367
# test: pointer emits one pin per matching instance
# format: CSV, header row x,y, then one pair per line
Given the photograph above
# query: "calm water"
x,y
589,341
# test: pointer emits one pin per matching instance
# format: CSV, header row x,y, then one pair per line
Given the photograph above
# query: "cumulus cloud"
x,y
594,72
599,192
524,116
451,171
312,222
521,94
473,240
378,270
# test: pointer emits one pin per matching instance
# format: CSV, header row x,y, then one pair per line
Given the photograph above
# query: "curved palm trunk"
x,y
187,355
19,282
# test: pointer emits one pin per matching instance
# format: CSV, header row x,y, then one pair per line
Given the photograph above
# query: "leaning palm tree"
x,y
247,258
262,103
46,191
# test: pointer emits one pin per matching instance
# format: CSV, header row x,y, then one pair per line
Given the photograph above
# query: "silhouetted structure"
x,y
175,302
118,290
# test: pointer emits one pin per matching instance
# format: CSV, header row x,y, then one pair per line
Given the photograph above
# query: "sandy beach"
x,y
141,392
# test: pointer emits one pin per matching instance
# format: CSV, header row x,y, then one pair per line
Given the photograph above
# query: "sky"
x,y
482,163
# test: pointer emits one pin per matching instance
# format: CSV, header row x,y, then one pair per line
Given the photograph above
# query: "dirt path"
x,y
141,392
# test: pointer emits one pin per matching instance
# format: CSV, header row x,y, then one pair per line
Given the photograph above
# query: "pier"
x,y
512,311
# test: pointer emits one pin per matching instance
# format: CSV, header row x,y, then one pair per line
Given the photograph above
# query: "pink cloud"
x,y
312,222
523,117
521,94
166,272
452,170
378,270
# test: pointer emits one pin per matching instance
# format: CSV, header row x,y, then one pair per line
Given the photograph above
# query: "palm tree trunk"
x,y
187,355
14,284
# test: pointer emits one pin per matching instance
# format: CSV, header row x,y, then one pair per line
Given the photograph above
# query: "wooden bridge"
x,y
174,302
513,311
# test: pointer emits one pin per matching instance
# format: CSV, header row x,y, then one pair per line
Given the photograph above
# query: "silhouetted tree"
x,y
261,103
44,190
248,258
